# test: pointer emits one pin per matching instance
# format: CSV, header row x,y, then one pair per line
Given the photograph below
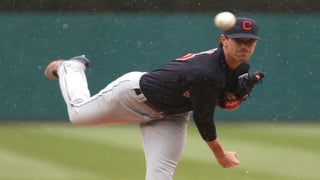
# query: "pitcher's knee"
x,y
85,118
76,119
159,175
161,170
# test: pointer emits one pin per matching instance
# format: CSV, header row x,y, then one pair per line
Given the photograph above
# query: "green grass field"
x,y
49,151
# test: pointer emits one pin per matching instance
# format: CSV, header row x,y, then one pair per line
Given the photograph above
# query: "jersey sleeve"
x,y
204,93
203,118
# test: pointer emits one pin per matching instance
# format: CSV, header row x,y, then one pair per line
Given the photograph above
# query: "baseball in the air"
x,y
225,20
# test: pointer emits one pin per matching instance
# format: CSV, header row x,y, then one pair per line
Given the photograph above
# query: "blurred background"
x,y
275,132
122,36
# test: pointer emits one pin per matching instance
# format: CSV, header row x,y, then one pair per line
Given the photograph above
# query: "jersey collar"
x,y
222,58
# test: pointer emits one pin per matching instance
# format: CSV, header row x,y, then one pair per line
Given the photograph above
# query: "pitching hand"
x,y
228,160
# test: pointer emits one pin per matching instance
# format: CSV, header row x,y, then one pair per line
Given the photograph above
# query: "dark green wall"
x,y
118,43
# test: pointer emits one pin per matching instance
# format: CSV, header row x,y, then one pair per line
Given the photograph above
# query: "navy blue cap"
x,y
244,28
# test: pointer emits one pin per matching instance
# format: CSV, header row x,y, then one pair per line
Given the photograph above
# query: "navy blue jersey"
x,y
194,82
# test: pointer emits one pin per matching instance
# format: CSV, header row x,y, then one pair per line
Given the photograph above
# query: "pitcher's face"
x,y
239,49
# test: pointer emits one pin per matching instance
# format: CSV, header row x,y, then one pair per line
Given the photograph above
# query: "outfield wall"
x,y
118,43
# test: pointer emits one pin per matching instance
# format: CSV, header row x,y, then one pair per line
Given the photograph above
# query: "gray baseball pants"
x,y
163,136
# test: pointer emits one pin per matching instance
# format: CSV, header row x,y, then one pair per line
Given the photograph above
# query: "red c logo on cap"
x,y
247,25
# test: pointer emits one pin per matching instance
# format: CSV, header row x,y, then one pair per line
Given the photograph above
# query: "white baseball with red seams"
x,y
225,20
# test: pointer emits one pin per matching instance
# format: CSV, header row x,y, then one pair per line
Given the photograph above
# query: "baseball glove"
x,y
246,83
